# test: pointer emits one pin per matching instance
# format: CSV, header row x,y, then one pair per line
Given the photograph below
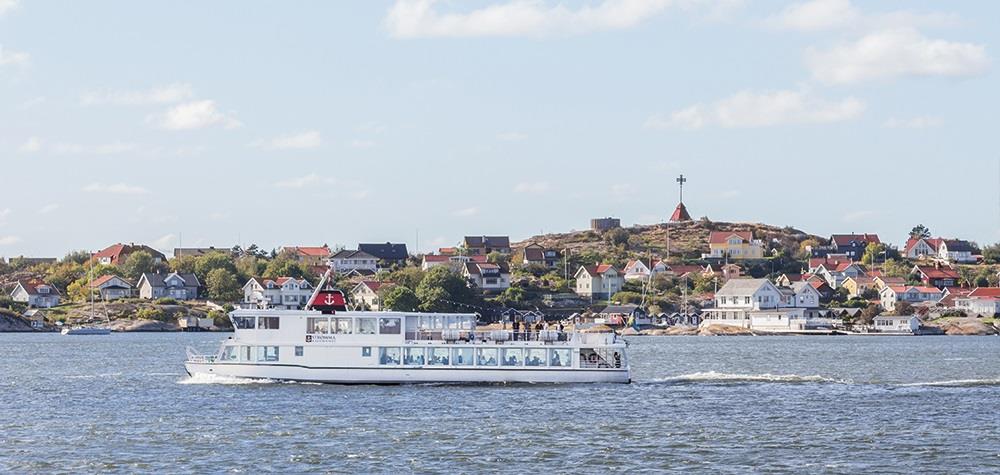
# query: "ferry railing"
x,y
493,336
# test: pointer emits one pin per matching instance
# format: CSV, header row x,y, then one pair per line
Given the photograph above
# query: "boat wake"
x,y
201,378
956,383
716,377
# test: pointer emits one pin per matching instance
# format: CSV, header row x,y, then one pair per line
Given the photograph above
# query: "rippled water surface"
x,y
122,403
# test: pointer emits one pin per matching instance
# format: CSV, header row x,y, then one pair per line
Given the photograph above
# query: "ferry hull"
x,y
409,375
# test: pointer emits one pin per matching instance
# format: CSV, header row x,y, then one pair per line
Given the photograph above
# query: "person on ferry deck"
x,y
538,329
517,327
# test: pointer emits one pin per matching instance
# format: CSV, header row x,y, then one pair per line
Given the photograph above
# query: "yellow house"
x,y
858,285
735,244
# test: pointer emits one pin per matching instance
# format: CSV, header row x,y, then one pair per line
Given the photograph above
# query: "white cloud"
x,y
918,122
196,115
167,94
303,140
9,57
303,181
117,188
512,136
466,212
894,53
859,215
7,5
420,18
8,240
32,145
822,15
763,109
531,187
48,208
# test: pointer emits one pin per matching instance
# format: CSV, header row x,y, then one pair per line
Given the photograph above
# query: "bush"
x,y
166,301
150,314
220,319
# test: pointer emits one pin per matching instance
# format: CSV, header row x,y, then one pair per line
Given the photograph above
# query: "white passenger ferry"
x,y
327,344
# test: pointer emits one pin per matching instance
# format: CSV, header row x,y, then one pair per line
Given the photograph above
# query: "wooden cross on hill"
x,y
681,181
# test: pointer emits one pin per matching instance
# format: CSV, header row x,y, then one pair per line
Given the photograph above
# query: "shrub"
x,y
151,314
166,301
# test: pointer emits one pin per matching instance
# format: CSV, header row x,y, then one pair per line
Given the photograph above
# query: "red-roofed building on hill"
x,y
598,282
982,301
116,254
36,293
937,276
894,294
309,256
734,245
917,248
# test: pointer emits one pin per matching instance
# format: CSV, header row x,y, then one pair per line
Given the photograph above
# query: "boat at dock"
x,y
326,343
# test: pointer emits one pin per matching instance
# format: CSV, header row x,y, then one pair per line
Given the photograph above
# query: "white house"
x,y
761,305
346,261
836,274
955,250
173,285
283,293
112,287
983,301
487,276
893,294
368,294
598,281
35,293
456,263
642,269
896,324
920,247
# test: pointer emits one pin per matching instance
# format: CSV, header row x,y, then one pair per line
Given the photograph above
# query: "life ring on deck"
x,y
592,358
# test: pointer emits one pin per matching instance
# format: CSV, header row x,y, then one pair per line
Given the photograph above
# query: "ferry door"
x,y
412,327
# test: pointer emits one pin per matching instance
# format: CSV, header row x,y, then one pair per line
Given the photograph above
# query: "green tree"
x,y
904,308
184,265
498,258
991,254
284,267
408,277
626,297
64,273
77,257
138,263
401,299
511,296
867,316
207,263
441,289
222,285
920,232
873,251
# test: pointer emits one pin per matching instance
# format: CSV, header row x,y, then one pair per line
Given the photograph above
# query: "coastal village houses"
x,y
35,293
116,254
315,258
894,294
643,269
936,275
759,304
455,263
283,293
947,250
173,285
982,302
734,245
347,261
387,254
487,276
368,294
112,287
853,245
896,324
484,245
598,282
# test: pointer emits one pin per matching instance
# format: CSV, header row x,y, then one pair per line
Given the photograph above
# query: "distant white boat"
x,y
86,331
90,330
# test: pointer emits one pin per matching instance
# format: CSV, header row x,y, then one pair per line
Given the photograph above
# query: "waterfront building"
x,y
598,282
112,287
35,293
761,305
982,301
286,293
894,294
173,285
896,324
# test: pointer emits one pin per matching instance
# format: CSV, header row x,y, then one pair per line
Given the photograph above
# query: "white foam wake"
x,y
956,383
714,376
201,378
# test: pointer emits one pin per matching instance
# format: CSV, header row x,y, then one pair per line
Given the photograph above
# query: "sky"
x,y
302,123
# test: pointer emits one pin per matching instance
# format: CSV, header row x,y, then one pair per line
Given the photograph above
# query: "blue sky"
x,y
282,123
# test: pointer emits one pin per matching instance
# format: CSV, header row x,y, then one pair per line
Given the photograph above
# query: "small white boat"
x,y
86,331
326,343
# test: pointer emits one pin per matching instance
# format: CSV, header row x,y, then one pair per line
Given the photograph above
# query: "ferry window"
x,y
298,351
487,356
438,322
268,323
342,326
267,353
437,356
388,326
461,357
229,354
366,326
247,353
426,323
413,356
535,357
388,356
366,351
244,323
560,357
512,357
317,325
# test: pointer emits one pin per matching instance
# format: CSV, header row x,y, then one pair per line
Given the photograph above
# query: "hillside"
x,y
688,239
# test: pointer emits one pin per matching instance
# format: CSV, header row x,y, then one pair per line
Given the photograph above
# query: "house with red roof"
x,y
115,254
853,244
368,294
309,256
936,275
894,294
598,282
835,274
734,245
36,293
982,301
918,248
455,262
285,293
